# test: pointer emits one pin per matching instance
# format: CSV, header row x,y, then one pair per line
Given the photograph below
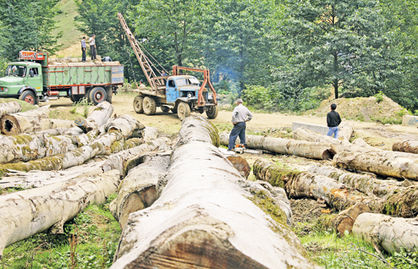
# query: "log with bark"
x,y
100,146
392,234
24,122
204,218
381,162
28,212
406,146
301,184
9,108
140,188
100,115
313,150
345,131
119,161
308,135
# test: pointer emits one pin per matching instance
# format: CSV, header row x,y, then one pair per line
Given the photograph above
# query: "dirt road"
x,y
374,133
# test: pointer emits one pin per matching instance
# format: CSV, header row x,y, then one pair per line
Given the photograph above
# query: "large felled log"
x,y
382,162
345,131
308,135
23,122
99,146
9,108
406,146
119,161
100,115
301,184
203,218
26,213
392,234
140,188
321,151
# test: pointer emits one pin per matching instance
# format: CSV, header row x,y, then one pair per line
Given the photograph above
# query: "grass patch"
x,y
95,231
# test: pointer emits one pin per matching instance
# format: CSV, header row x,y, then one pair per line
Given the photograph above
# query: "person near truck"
x,y
92,42
240,116
83,49
333,120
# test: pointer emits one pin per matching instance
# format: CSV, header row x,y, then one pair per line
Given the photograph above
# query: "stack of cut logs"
x,y
184,204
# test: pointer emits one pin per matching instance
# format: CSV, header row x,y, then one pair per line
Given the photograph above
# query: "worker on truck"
x,y
240,116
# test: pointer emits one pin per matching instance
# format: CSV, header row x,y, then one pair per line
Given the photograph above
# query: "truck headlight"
x,y
3,89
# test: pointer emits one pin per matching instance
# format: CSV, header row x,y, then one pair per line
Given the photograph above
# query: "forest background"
x,y
277,55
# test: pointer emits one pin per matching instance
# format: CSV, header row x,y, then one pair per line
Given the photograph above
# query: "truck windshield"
x,y
16,70
187,81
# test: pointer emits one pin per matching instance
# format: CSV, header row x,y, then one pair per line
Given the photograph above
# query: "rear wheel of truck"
x,y
149,105
97,95
183,110
138,101
212,112
29,97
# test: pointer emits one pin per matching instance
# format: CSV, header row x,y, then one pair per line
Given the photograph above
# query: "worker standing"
x,y
240,116
333,120
92,42
83,49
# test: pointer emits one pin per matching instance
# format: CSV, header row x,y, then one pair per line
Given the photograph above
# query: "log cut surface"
x,y
24,122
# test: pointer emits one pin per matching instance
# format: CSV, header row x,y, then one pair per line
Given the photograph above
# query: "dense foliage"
x,y
291,52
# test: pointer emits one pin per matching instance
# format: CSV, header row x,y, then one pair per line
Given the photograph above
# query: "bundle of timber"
x,y
207,215
307,149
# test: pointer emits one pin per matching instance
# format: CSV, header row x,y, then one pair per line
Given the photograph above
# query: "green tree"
x,y
27,25
338,43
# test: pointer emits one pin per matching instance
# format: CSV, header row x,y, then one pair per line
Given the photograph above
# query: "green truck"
x,y
34,79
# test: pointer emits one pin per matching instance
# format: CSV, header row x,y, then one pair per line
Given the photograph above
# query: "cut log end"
x,y
241,165
9,125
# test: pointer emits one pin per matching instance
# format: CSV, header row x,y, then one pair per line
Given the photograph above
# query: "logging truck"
x,y
176,92
34,79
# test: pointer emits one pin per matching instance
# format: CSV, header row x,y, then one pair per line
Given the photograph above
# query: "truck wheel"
x,y
165,109
212,112
149,105
29,97
183,110
138,101
97,95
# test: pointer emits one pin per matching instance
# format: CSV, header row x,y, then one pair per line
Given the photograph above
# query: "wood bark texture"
x,y
28,212
308,135
345,131
100,115
385,163
119,161
392,234
406,146
9,108
24,122
204,218
140,188
312,150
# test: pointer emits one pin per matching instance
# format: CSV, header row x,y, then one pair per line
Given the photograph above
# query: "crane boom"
x,y
156,82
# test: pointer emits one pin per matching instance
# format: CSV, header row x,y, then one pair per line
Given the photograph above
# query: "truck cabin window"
x,y
16,70
187,81
33,72
171,83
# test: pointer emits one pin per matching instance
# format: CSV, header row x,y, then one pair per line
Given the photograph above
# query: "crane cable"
x,y
155,60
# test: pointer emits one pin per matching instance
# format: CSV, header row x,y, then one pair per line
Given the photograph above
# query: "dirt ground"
x,y
375,134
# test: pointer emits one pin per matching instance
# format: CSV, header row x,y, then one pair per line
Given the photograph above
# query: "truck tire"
x,y
212,112
138,101
183,110
97,95
149,105
29,97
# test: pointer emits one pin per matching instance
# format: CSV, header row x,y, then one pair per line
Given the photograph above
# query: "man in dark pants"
x,y
92,42
333,120
83,49
240,115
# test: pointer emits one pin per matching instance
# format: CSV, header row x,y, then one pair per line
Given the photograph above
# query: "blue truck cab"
x,y
184,88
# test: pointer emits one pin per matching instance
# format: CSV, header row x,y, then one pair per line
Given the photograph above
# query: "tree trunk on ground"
x,y
203,217
140,188
24,122
385,163
119,161
26,213
392,234
345,131
9,108
56,123
406,146
308,135
100,115
403,202
313,150
100,146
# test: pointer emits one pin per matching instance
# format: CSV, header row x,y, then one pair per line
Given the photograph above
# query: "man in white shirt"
x,y
240,116
92,42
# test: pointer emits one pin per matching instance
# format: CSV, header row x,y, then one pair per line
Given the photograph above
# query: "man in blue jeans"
x,y
333,120
240,115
